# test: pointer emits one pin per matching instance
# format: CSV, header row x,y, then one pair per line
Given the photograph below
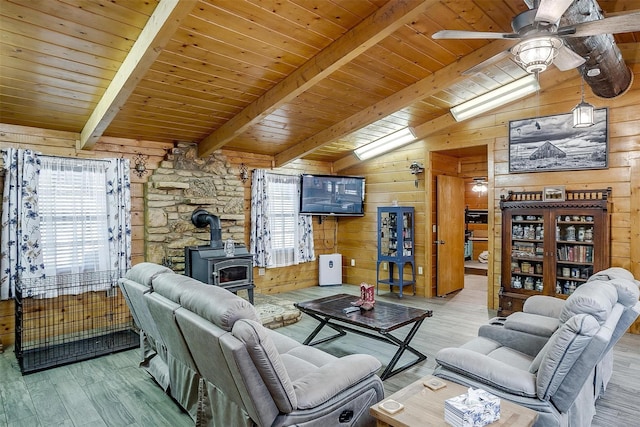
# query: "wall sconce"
x,y
244,173
140,164
583,112
416,168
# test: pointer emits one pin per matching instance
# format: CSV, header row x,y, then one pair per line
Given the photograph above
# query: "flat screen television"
x,y
332,195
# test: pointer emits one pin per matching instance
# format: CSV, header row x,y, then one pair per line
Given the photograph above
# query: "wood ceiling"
x,y
290,79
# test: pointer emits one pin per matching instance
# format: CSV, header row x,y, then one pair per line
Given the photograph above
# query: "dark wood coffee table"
x,y
383,319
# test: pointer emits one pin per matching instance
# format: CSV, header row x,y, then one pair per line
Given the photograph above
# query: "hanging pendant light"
x,y
583,112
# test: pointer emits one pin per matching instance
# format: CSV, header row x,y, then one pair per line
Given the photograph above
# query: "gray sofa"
x,y
207,348
554,358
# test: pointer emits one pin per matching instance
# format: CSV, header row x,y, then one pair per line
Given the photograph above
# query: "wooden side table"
x,y
425,407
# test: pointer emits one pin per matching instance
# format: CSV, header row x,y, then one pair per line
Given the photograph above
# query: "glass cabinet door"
x,y
574,249
527,260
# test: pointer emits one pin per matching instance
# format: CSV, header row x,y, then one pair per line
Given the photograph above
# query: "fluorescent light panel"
x,y
496,98
384,144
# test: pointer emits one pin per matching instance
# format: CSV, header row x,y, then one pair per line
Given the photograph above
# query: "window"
x,y
283,217
73,215
280,236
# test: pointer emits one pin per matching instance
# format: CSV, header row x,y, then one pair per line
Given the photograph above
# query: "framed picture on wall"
x,y
551,143
554,194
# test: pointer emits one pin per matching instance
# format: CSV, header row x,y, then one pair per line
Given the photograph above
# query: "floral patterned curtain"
x,y
260,239
280,236
21,251
306,251
119,214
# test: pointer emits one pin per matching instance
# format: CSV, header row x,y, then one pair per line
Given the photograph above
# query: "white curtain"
x,y
280,236
20,249
73,215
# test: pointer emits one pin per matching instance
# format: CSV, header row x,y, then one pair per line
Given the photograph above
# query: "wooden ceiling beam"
x,y
439,80
162,24
363,36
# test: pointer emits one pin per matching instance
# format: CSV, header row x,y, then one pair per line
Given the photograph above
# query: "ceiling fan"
x,y
540,39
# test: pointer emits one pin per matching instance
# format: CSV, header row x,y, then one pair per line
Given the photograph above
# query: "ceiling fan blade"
x,y
567,59
487,62
629,22
456,34
551,10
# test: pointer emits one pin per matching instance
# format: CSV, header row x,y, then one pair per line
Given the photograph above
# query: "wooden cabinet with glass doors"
x,y
551,247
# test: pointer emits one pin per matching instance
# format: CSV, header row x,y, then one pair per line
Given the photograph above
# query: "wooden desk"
x,y
425,407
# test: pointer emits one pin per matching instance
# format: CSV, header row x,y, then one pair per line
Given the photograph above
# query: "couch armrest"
x,y
332,378
544,306
489,371
517,340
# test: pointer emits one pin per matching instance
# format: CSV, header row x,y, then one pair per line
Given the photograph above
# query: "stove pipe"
x,y
200,218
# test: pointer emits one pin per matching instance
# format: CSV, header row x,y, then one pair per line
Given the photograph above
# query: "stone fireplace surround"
x,y
181,183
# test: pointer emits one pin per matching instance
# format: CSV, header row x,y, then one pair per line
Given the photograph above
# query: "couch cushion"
x,y
612,273
533,324
561,351
218,305
267,361
628,291
145,272
172,286
595,298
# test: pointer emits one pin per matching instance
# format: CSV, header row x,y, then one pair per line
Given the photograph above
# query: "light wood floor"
x,y
113,391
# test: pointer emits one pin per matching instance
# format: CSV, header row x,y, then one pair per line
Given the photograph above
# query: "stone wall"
x,y
182,183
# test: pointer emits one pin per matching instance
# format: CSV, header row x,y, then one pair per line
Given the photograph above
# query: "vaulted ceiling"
x,y
291,79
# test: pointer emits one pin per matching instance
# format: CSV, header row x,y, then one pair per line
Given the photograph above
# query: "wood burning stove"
x,y
213,265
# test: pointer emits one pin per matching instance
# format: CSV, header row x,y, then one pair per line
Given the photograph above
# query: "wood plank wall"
x,y
59,143
388,178
294,277
623,174
63,144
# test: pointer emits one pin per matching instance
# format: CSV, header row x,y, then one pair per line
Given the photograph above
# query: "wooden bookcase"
x,y
395,248
551,247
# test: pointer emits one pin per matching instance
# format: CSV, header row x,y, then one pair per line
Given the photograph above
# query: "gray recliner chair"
x,y
154,351
560,379
227,369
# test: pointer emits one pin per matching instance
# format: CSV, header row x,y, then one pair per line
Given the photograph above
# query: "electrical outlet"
x,y
112,292
261,272
353,262
384,266
420,269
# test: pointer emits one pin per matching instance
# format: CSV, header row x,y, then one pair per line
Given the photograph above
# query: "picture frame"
x,y
551,143
554,194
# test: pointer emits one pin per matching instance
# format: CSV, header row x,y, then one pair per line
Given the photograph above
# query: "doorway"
x,y
470,165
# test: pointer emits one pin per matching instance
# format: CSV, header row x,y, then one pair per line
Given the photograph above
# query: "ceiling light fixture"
x,y
496,98
583,112
386,143
537,53
480,185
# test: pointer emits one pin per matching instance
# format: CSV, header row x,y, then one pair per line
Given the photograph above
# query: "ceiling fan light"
x,y
536,54
583,115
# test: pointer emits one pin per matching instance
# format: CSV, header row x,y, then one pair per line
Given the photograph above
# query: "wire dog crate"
x,y
69,318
